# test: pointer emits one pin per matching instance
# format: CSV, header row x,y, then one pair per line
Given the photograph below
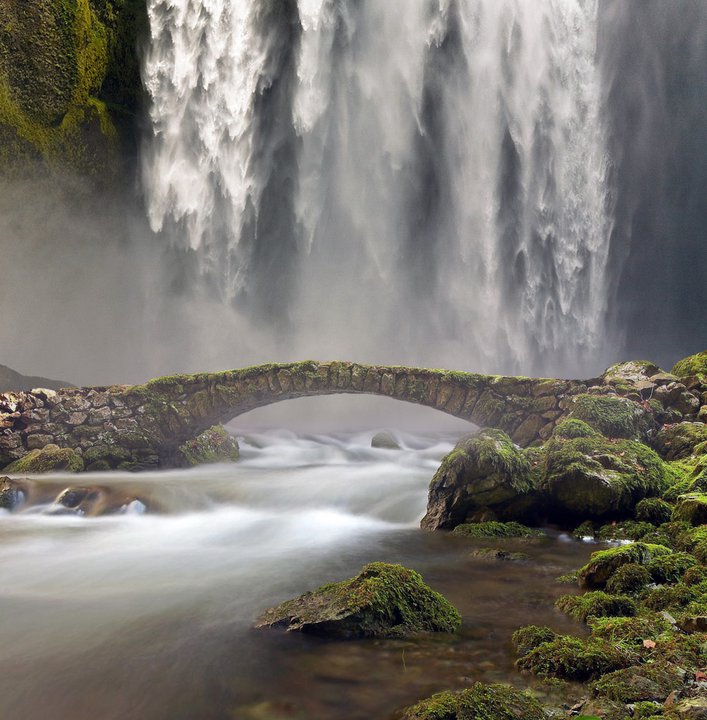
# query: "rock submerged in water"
x,y
383,600
384,440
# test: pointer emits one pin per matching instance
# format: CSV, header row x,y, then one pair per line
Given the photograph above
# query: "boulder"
x,y
692,366
603,563
500,702
616,417
643,682
212,446
383,600
691,508
485,470
12,494
50,458
680,440
92,501
597,477
384,440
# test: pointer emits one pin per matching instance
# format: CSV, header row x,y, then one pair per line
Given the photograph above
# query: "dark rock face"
x,y
381,601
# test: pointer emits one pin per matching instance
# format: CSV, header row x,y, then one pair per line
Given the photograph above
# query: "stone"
x,y
50,458
694,708
383,600
483,471
12,494
212,446
384,440
36,442
679,440
603,563
495,701
691,508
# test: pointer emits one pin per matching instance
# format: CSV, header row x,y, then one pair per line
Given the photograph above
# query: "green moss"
x,y
653,510
626,530
596,604
212,446
630,632
499,554
479,702
496,530
529,637
50,458
695,575
670,568
670,597
594,476
604,563
570,428
383,600
584,530
652,681
611,416
571,658
692,365
691,508
631,578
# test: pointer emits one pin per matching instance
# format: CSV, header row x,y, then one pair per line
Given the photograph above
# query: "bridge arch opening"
x,y
346,412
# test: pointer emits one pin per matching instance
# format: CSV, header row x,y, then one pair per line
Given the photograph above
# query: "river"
x,y
149,614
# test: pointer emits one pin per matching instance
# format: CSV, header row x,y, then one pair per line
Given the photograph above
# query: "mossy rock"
x,y
212,446
499,555
596,604
603,563
654,681
12,494
630,632
572,658
691,508
629,579
611,416
626,530
570,428
383,600
694,365
479,702
529,637
630,372
653,510
497,530
598,477
486,470
670,568
670,597
50,458
678,441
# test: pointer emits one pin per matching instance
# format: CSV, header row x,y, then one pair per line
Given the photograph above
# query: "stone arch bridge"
x,y
142,426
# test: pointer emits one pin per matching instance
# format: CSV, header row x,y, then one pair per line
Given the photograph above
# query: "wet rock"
x,y
384,440
500,702
212,446
383,600
92,501
486,470
12,494
497,554
48,459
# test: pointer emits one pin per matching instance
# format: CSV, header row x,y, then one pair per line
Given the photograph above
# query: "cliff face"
x,y
70,84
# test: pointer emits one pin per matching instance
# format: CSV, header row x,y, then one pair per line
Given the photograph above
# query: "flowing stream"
x,y
150,615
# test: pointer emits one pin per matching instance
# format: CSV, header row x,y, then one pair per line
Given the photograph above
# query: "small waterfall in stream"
x,y
382,179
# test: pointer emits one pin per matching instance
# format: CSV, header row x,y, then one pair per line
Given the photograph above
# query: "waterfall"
x,y
403,180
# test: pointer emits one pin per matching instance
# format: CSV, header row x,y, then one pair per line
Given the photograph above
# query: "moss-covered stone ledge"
x,y
144,426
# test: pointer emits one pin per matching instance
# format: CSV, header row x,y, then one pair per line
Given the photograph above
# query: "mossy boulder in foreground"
x,y
383,600
479,702
694,365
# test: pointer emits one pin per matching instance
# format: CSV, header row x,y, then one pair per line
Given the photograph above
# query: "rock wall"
x,y
70,85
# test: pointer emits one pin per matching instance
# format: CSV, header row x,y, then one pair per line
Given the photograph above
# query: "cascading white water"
x,y
418,181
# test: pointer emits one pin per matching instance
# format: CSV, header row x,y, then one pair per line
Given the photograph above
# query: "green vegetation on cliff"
x,y
69,79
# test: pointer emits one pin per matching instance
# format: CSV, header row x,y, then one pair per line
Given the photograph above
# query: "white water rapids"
x,y
397,178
